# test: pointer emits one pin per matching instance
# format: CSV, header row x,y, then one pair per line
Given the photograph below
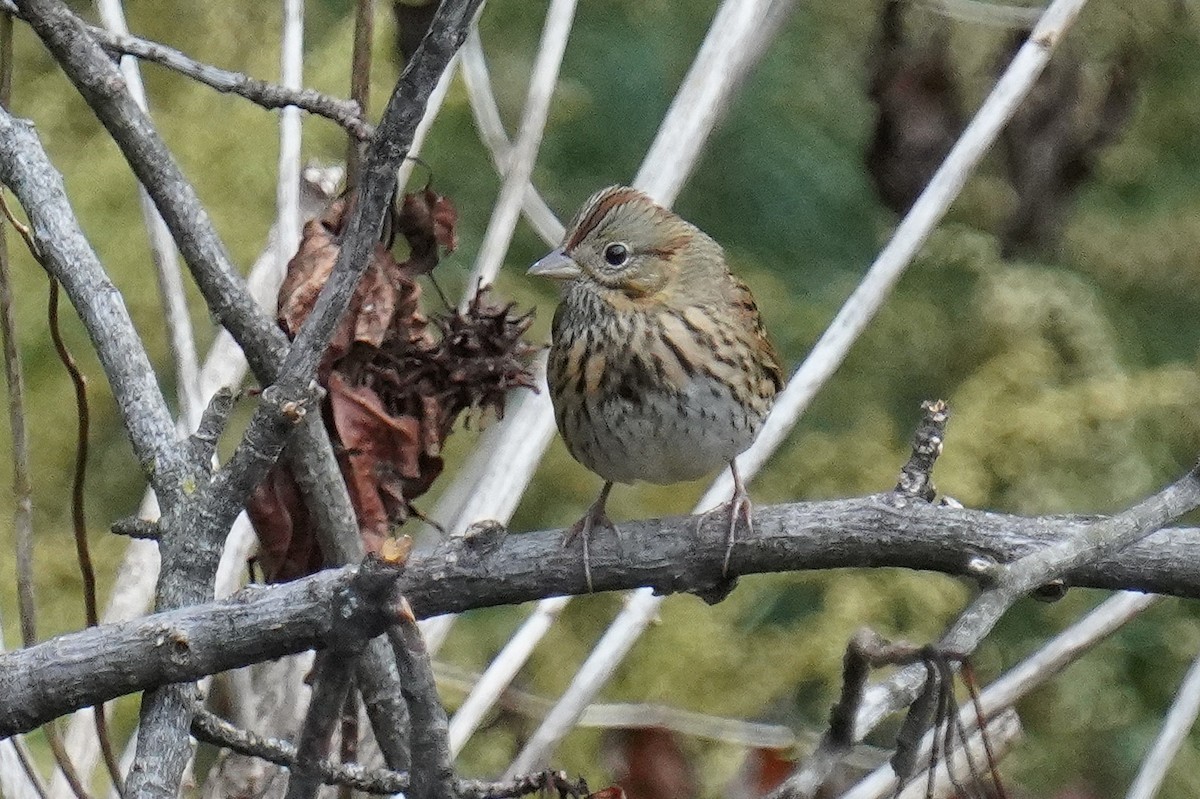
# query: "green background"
x,y
1072,381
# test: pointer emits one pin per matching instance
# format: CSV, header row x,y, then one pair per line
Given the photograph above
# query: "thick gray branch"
x,y
259,623
875,531
69,672
69,258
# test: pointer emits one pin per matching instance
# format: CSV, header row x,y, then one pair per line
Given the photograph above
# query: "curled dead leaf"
x,y
396,384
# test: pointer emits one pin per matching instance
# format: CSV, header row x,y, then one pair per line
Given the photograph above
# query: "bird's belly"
x,y
661,437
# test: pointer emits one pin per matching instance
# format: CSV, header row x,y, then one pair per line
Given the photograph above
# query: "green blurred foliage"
x,y
1073,382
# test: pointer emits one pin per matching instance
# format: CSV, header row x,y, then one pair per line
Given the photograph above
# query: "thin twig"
x,y
348,735
66,254
916,477
1002,733
53,740
19,779
287,191
621,715
262,93
501,671
63,760
360,79
214,730
1035,671
18,776
15,382
78,518
1175,728
162,249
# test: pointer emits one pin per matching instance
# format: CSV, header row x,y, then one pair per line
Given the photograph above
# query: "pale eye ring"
x,y
616,254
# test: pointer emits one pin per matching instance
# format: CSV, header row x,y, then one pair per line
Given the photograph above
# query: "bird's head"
x,y
622,242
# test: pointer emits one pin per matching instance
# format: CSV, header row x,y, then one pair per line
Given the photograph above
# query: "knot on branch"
x,y
916,478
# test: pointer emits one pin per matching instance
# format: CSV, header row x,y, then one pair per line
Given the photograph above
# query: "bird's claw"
x,y
595,517
738,506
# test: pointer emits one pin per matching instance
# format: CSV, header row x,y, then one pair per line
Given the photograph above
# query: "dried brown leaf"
x,y
378,450
287,544
395,384
426,220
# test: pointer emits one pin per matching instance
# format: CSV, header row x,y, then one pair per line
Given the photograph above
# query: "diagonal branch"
x,y
432,769
69,258
334,679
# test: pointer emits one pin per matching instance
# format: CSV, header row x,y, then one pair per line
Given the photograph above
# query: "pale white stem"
x,y
737,39
14,782
126,760
490,484
1033,672
860,308
437,98
713,79
640,608
980,12
491,131
500,673
1003,732
435,631
1179,721
162,247
627,715
287,190
519,166
1064,649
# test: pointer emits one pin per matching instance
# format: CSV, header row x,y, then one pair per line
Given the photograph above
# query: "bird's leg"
x,y
594,517
739,505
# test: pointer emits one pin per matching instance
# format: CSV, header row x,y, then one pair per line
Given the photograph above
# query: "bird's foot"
x,y
738,508
595,517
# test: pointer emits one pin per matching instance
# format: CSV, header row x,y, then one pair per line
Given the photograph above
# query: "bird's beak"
x,y
556,265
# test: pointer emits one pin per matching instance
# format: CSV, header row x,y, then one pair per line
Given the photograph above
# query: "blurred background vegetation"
x,y
1072,376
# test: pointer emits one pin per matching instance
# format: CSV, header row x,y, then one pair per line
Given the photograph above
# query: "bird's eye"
x,y
616,254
